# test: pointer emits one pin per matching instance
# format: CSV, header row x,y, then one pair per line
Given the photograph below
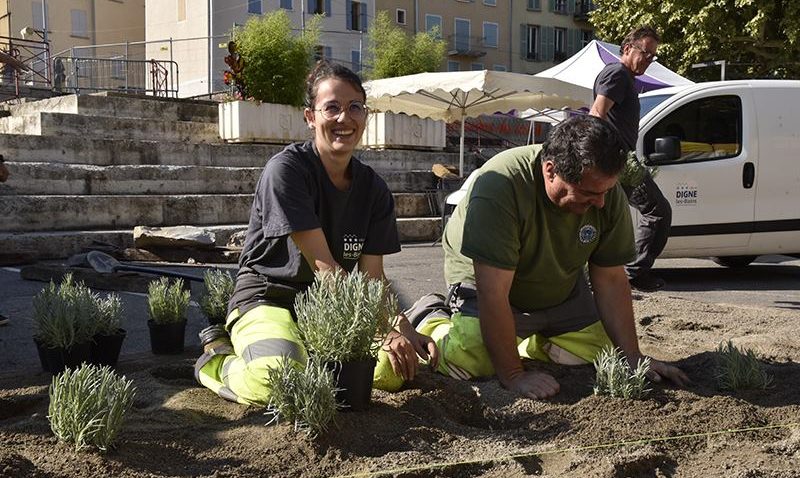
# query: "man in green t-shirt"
x,y
515,252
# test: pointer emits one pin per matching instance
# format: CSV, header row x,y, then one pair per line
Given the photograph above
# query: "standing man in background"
x,y
616,99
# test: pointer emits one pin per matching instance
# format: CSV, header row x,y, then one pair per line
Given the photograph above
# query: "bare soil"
x,y
440,427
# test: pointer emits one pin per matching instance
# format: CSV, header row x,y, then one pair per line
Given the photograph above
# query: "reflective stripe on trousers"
x,y
260,338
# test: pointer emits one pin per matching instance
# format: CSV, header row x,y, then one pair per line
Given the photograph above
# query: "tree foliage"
x,y
758,38
276,61
394,53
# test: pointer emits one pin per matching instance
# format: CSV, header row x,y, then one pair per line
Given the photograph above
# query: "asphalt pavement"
x,y
771,281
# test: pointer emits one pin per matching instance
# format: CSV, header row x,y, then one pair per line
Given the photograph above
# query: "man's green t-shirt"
x,y
508,221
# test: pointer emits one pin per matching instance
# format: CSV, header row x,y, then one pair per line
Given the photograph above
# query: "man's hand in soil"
x,y
660,370
532,384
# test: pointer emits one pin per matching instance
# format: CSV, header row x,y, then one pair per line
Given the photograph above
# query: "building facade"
x,y
194,33
524,36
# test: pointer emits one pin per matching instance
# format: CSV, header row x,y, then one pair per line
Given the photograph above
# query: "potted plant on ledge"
x,y
343,320
268,67
167,305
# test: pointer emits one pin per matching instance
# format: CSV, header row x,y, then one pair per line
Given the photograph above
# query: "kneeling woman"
x,y
315,208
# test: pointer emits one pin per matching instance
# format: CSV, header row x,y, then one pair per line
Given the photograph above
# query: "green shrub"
x,y
109,316
88,406
167,303
65,315
739,369
615,377
345,317
214,301
305,397
276,61
395,53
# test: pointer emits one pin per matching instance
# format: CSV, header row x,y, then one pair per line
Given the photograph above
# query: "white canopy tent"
x,y
455,96
582,68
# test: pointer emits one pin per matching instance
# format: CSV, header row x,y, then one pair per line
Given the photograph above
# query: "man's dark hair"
x,y
325,69
581,143
637,34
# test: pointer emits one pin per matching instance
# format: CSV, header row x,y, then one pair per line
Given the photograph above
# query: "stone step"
x,y
80,179
415,205
419,229
410,181
123,107
60,179
63,124
62,213
62,244
109,152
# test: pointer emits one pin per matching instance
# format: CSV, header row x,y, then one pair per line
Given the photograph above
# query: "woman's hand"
x,y
405,345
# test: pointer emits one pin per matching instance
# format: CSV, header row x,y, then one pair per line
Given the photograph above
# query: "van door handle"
x,y
748,175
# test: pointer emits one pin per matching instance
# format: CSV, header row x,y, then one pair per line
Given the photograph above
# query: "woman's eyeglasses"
x,y
333,110
647,55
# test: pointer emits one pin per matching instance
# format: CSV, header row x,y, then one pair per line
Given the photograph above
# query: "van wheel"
x,y
734,261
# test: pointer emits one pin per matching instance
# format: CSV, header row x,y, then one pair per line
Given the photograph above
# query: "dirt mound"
x,y
440,427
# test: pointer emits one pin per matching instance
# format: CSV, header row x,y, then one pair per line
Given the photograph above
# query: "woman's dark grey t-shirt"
x,y
294,194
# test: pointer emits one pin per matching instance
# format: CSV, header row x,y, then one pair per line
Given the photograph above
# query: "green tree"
x,y
276,61
394,53
758,38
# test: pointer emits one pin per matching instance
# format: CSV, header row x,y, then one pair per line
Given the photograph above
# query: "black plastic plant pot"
x,y
354,381
56,360
167,339
106,348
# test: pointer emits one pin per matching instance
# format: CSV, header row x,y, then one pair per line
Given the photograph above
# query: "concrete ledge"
x,y
418,229
409,181
58,124
61,244
121,107
59,213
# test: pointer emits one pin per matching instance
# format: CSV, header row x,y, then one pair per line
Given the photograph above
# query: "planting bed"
x,y
441,427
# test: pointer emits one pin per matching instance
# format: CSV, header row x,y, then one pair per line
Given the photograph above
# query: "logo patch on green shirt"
x,y
587,234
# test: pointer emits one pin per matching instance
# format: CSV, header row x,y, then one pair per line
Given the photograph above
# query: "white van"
x,y
728,159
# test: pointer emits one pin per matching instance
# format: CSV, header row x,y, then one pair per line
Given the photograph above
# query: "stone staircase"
x,y
91,167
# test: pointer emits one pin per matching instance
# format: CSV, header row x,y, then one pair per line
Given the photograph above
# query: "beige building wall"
x,y
75,22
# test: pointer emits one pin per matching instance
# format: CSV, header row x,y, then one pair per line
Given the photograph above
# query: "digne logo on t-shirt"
x,y
352,246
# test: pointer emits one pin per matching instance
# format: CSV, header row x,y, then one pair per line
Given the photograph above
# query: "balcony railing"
x,y
582,9
465,46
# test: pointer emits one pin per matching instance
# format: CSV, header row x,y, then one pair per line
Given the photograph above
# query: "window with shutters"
x,y
322,52
586,37
476,66
254,7
79,24
317,7
453,66
181,4
434,22
490,34
559,44
532,45
357,16
560,6
286,4
534,5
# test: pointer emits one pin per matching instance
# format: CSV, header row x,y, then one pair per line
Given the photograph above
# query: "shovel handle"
x,y
161,272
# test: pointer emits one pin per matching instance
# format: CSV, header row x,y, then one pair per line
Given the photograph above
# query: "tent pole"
x,y
461,151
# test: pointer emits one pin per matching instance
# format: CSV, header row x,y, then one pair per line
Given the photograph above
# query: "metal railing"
x,y
459,45
153,77
36,56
